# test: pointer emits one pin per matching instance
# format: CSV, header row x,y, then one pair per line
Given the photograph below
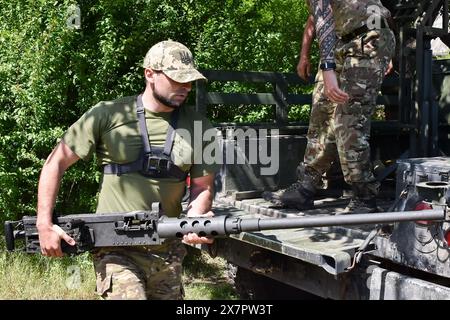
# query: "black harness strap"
x,y
152,162
170,138
143,125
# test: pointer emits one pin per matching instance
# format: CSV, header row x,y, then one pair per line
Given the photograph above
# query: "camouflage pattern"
x,y
349,15
345,128
140,273
174,59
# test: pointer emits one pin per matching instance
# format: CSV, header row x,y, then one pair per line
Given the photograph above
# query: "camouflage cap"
x,y
174,59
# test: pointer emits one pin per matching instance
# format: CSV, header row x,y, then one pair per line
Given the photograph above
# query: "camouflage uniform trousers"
x,y
344,129
140,273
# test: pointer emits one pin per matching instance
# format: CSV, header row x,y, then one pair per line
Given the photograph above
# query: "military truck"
x,y
405,260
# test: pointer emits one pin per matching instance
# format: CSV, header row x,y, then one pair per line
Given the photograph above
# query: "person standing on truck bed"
x,y
140,166
356,47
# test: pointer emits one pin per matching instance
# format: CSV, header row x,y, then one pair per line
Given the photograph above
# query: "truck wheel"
x,y
253,286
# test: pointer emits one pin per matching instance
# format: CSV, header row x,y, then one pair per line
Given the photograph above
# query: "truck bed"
x,y
331,248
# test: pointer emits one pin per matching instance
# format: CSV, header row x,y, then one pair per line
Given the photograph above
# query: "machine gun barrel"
x,y
224,225
353,219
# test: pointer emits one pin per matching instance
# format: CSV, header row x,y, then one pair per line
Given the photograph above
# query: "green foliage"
x,y
299,113
51,74
251,35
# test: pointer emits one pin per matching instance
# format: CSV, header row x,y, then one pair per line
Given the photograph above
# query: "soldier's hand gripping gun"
x,y
143,228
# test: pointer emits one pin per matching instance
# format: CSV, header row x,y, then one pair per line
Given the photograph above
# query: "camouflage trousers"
x,y
343,130
140,273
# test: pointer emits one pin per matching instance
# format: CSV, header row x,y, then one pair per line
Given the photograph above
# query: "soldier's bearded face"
x,y
167,101
170,93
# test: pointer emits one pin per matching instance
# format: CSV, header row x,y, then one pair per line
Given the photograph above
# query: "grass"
x,y
33,276
206,278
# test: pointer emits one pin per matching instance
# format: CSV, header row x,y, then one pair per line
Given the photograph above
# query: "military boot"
x,y
299,195
363,199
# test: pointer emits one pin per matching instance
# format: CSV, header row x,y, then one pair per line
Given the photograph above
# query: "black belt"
x,y
361,30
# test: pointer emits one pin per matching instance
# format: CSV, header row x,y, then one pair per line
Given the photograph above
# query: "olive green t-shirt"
x,y
110,130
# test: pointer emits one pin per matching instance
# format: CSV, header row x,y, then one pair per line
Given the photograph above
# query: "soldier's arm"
x,y
201,195
326,35
201,189
325,29
304,63
61,158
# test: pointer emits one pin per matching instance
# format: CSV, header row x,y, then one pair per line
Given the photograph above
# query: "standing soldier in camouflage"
x,y
133,176
356,46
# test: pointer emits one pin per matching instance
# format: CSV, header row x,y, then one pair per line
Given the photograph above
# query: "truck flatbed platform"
x,y
331,248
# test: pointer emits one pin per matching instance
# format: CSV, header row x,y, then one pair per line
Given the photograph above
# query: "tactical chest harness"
x,y
153,162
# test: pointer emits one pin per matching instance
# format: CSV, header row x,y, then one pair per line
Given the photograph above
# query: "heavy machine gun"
x,y
143,228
